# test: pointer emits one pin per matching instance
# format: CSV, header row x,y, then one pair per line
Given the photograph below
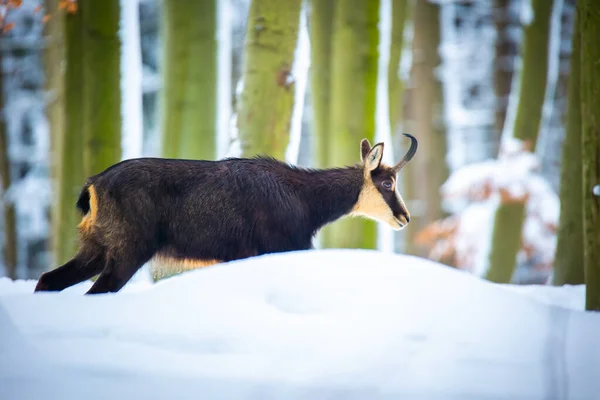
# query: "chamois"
x,y
195,213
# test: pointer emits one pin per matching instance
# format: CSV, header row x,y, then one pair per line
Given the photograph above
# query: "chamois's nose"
x,y
403,220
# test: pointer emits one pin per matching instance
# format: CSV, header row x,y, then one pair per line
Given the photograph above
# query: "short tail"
x,y
83,202
87,203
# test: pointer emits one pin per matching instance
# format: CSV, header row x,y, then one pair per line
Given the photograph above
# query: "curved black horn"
x,y
409,154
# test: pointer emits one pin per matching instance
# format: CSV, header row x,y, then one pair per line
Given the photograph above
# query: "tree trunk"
x,y
352,111
54,58
267,98
189,95
402,11
504,55
568,262
534,73
102,84
429,167
395,83
549,149
505,242
69,143
508,222
321,28
590,98
9,243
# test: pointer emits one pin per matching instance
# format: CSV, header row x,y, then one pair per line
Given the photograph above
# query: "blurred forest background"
x,y
490,88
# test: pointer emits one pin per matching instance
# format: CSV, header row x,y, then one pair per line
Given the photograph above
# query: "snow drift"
x,y
349,324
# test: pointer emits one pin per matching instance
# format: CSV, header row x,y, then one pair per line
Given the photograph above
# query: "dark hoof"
x,y
42,285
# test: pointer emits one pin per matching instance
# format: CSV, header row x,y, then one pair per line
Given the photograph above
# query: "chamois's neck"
x,y
331,193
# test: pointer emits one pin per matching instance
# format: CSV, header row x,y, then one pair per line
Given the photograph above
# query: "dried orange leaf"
x,y
72,8
8,27
16,3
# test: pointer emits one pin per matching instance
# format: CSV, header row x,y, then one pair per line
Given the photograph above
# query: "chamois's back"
x,y
188,214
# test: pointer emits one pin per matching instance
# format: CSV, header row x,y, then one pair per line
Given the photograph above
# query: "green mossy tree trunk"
x,y
102,84
506,241
568,262
509,218
70,174
353,96
428,170
54,59
321,28
189,94
590,117
9,242
267,98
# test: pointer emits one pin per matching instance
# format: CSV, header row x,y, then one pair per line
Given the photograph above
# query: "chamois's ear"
x,y
365,147
373,158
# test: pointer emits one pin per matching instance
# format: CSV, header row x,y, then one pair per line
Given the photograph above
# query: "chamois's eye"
x,y
387,185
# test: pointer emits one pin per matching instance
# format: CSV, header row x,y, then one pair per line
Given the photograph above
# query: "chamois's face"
x,y
379,198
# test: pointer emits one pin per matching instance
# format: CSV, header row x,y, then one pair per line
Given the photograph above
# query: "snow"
x,y
472,194
299,78
514,171
350,324
473,232
548,107
527,14
469,99
569,296
131,80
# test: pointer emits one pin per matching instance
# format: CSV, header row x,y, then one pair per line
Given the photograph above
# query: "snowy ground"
x,y
311,325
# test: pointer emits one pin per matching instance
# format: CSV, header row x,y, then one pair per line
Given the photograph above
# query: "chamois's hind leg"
x,y
73,272
117,272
